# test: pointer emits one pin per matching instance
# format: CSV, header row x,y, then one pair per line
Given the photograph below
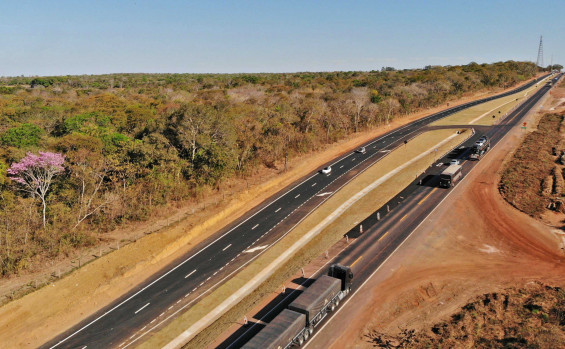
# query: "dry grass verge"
x,y
331,234
482,114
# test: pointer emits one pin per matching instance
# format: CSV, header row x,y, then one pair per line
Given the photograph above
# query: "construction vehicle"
x,y
294,325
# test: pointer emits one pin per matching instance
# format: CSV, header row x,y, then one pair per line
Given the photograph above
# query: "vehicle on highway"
x,y
480,148
361,150
295,324
454,162
326,170
450,176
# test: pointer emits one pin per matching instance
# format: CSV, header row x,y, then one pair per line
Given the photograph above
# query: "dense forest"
x,y
81,155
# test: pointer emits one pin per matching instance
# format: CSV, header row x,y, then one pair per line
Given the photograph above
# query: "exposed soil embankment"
x,y
531,317
533,179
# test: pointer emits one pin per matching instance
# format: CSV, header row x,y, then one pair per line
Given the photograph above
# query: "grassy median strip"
x,y
330,233
482,114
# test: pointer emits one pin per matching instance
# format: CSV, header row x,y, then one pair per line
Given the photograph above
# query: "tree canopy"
x,y
132,142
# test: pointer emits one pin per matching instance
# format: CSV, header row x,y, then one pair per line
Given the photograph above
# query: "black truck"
x,y
294,325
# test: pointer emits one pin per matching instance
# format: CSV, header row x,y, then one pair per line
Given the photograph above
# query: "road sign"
x,y
524,124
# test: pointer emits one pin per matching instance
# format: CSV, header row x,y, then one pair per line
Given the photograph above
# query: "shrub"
x,y
23,136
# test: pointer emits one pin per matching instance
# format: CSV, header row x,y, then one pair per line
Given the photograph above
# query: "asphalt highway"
x,y
126,321
389,226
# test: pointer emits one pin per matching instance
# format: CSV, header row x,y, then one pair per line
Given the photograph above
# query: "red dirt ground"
x,y
473,243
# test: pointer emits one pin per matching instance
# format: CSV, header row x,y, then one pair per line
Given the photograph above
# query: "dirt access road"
x,y
473,243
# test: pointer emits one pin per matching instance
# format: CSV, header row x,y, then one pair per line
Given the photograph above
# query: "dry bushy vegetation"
x,y
528,180
532,317
136,141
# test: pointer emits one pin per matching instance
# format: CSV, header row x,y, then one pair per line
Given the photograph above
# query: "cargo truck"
x,y
480,148
294,325
450,176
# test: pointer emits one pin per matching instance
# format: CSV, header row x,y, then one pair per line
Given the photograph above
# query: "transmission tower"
x,y
539,62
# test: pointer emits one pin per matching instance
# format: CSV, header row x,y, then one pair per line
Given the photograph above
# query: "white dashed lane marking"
x,y
228,246
278,209
255,226
192,272
296,197
140,309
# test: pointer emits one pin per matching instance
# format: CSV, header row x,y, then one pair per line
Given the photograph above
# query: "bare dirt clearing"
x,y
474,243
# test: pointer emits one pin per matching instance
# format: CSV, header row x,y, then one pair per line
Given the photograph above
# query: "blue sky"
x,y
172,36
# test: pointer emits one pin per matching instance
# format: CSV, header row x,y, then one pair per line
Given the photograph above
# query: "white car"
x,y
454,162
361,150
327,170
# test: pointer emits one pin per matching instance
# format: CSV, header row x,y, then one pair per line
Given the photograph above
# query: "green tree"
x,y
3,172
23,136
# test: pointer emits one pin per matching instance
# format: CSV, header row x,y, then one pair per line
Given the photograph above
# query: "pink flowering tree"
x,y
35,174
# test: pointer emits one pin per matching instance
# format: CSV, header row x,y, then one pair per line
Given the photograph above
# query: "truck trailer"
x,y
286,328
294,325
450,176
